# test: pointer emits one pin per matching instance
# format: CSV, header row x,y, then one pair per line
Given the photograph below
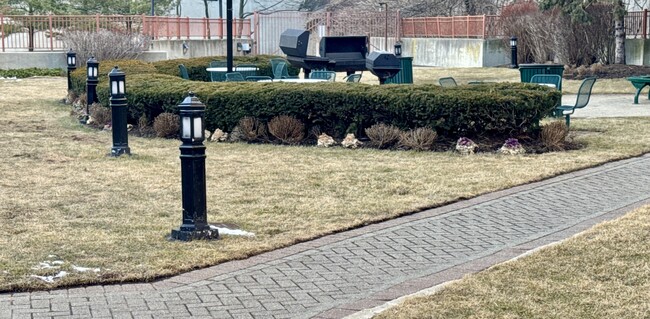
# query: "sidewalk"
x,y
342,274
610,105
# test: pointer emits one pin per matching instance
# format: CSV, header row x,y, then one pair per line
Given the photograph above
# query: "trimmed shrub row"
x,y
490,109
195,68
503,109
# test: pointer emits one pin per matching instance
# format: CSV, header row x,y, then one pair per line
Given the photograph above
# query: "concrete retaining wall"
x,y
637,52
425,52
54,59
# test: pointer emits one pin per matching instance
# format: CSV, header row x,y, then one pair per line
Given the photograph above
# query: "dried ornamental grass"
x,y
382,135
419,139
101,115
251,129
166,125
553,135
287,129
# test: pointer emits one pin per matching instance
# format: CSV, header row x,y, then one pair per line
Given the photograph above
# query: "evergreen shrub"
x,y
498,109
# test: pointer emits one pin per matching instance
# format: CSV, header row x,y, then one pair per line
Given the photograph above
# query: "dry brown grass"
x,y
62,195
553,135
603,273
430,75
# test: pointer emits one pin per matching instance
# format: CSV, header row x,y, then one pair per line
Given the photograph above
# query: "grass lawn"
x,y
63,199
429,75
602,273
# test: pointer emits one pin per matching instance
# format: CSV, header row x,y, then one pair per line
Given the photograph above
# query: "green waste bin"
x,y
405,76
526,71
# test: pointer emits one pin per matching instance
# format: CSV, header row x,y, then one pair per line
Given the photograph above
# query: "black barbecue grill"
x,y
341,53
384,65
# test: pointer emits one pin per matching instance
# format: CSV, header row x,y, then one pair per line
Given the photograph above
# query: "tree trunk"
x,y
619,35
470,7
207,16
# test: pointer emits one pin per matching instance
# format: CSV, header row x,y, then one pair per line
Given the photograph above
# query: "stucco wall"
x,y
637,52
54,59
455,52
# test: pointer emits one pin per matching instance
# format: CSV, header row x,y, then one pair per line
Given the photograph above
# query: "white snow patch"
x,y
47,265
51,279
232,232
84,269
57,262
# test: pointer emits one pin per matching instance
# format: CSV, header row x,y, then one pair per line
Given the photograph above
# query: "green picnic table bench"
x,y
639,83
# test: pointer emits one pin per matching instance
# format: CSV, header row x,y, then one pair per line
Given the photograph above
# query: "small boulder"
x,y
325,140
219,136
351,141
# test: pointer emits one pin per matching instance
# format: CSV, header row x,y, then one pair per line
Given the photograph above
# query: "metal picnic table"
x,y
639,83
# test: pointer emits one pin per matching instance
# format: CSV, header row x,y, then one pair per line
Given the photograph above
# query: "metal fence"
x,y
45,32
451,27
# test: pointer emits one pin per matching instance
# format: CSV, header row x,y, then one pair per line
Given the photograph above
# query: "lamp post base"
x,y
189,235
117,151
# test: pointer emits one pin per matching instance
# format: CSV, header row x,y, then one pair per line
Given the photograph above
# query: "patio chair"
x,y
281,69
355,77
218,76
256,78
548,79
325,75
234,77
183,71
581,101
447,82
246,70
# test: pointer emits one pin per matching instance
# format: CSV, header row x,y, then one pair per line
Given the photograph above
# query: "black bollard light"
x,y
92,67
398,49
513,53
71,58
118,102
195,224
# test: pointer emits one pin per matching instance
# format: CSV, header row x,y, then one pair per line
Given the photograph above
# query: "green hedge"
x,y
129,67
496,109
195,68
28,72
501,109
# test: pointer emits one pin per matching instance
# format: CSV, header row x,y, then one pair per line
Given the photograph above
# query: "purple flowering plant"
x,y
512,143
464,141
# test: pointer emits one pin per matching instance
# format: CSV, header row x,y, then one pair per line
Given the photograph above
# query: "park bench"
x,y
639,83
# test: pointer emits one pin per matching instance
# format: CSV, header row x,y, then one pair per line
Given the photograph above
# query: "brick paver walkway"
x,y
340,274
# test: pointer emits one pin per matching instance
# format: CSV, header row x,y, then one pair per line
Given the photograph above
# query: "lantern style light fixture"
x,y
195,225
117,89
398,49
71,59
513,52
92,68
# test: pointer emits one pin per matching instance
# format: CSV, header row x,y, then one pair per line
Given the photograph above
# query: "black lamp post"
x,y
195,224
92,67
398,49
513,53
71,58
117,86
